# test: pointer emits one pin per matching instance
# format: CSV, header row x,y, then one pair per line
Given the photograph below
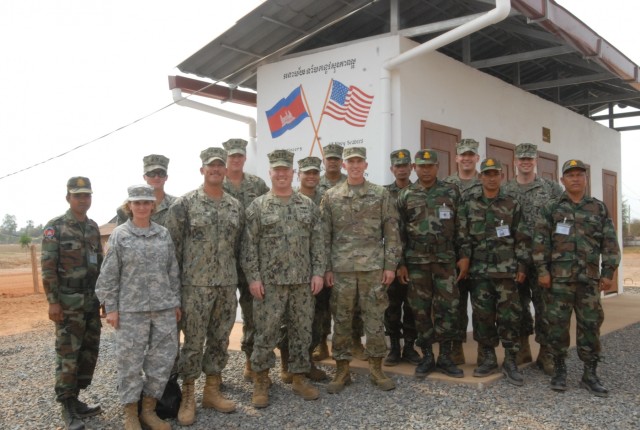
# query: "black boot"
x,y
409,354
489,362
559,380
393,358
427,364
445,363
69,415
510,368
83,410
590,380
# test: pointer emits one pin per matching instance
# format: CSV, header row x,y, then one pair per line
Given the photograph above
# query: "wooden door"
x,y
443,140
548,166
610,199
505,152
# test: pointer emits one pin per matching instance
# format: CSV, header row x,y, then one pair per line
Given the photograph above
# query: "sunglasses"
x,y
158,173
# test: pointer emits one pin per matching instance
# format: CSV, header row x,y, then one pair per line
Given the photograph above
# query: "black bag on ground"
x,y
168,405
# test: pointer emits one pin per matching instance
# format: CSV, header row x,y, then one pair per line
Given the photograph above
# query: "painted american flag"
x,y
348,104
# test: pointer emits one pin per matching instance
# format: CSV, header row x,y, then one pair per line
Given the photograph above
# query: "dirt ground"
x,y
22,310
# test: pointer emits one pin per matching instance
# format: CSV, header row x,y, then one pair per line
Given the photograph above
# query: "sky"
x,y
72,71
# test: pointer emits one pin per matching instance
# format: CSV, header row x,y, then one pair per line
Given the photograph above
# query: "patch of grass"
x,y
13,256
631,250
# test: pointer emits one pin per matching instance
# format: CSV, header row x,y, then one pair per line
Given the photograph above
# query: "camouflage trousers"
x,y
398,317
208,314
294,305
496,312
531,292
349,290
583,298
145,342
434,298
77,348
464,290
246,305
323,300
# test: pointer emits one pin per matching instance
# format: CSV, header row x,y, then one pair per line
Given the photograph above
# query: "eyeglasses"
x,y
158,173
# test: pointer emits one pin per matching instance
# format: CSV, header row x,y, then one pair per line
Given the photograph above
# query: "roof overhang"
x,y
541,48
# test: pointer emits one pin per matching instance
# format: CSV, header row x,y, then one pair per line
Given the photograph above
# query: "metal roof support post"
x,y
499,13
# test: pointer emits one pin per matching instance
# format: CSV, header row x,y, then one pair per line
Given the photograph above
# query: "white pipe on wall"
x,y
499,13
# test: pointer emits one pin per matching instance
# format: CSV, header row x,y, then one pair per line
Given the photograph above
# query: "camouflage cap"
x,y
526,150
490,164
333,150
155,161
426,156
573,164
280,158
309,163
140,192
79,184
235,146
211,154
401,156
467,145
354,151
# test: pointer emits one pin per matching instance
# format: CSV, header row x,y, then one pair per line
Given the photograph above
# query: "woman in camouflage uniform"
x,y
140,289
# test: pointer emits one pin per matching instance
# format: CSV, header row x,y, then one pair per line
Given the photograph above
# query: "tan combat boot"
x,y
303,388
148,416
285,375
342,378
322,350
545,361
358,351
377,376
131,421
524,354
213,398
315,374
457,352
260,398
187,411
248,374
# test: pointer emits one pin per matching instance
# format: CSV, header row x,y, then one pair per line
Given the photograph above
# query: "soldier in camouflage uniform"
x,y
309,176
533,192
429,229
284,260
398,317
466,179
155,168
206,226
333,176
498,247
363,243
245,187
140,290
71,259
576,252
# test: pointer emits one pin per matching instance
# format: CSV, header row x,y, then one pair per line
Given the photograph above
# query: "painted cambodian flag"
x,y
287,113
348,104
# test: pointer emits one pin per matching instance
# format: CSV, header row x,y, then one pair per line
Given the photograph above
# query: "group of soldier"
x,y
401,260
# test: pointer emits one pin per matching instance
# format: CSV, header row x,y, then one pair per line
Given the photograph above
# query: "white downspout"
x,y
252,147
499,13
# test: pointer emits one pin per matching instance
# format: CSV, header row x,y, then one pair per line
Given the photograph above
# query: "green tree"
x,y
626,218
25,240
9,224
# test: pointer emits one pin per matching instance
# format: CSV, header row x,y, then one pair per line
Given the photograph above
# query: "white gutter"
x,y
499,13
252,148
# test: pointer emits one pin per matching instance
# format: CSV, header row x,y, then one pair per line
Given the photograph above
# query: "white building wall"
x,y
433,88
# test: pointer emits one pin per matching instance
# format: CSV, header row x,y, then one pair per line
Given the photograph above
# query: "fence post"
x,y
34,269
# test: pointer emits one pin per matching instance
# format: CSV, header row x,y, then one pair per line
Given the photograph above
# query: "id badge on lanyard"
x,y
503,230
563,227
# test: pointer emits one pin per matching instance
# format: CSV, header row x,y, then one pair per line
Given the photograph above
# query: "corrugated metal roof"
x,y
540,47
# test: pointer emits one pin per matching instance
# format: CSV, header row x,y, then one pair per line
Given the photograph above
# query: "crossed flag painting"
x,y
349,104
